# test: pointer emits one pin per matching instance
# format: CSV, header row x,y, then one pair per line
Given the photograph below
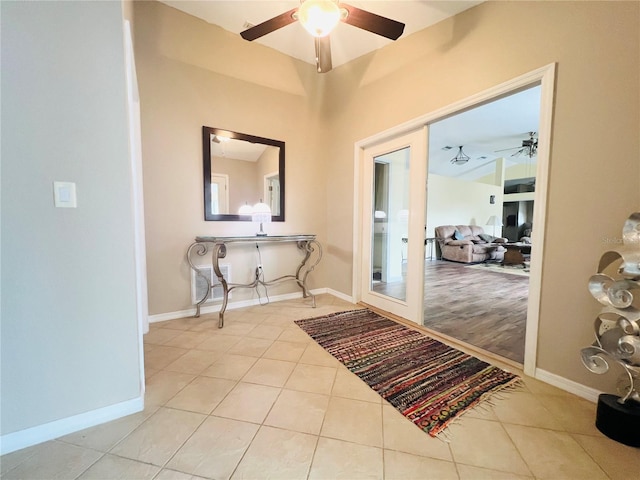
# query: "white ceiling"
x,y
481,131
501,124
237,149
347,42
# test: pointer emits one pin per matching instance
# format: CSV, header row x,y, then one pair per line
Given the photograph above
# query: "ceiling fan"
x,y
319,17
529,147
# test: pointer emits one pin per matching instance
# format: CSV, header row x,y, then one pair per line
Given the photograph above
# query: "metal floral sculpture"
x,y
617,331
617,327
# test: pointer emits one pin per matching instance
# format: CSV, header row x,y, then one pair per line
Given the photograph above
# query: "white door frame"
x,y
135,154
223,193
545,76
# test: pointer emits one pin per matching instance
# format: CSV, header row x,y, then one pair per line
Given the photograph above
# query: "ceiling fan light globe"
x,y
319,17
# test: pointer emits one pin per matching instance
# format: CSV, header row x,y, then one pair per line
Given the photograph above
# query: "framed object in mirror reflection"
x,y
240,170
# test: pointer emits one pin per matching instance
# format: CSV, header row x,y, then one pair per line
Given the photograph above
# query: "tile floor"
x,y
260,399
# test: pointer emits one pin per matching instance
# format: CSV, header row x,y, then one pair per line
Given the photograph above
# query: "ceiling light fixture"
x,y
319,17
460,158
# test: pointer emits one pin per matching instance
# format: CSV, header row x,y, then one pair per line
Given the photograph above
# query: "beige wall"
x,y
192,74
243,177
184,74
451,201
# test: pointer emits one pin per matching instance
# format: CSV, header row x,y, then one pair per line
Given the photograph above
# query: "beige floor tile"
x,y
168,474
202,395
112,467
11,460
157,336
554,455
252,347
403,435
158,438
164,385
336,460
574,414
219,343
482,446
234,327
187,339
182,323
54,460
298,411
215,449
524,408
470,445
194,361
270,332
467,472
276,453
312,378
616,459
316,355
349,385
208,324
538,387
294,335
243,315
353,421
269,372
279,321
104,437
159,356
482,411
287,351
403,466
230,367
248,402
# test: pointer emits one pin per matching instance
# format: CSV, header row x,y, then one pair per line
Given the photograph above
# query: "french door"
x,y
393,201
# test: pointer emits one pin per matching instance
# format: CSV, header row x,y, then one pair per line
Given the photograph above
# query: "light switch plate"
x,y
64,194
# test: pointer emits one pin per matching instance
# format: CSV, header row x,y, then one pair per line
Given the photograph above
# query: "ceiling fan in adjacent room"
x,y
529,147
319,18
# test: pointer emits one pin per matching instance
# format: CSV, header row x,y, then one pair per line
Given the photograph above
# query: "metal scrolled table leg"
x,y
220,251
201,249
307,246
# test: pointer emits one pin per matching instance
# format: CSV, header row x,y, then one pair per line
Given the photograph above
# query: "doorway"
x,y
545,77
482,174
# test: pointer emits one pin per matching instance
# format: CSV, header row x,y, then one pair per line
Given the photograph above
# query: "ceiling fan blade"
x,y
269,26
323,54
373,23
505,149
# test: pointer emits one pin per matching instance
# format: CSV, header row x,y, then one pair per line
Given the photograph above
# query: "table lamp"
x,y
261,214
495,221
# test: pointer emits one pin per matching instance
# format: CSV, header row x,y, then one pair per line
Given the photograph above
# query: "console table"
x,y
307,243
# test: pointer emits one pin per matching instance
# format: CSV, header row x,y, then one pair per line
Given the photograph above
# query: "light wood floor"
x,y
486,309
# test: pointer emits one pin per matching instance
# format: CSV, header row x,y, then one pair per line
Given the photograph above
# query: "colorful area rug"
x,y
429,382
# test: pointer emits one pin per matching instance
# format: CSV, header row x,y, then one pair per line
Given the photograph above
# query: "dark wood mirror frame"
x,y
206,149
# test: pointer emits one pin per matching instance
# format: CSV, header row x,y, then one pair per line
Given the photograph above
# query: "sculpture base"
x,y
619,422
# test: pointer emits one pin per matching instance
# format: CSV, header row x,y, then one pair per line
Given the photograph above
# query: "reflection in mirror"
x,y
241,170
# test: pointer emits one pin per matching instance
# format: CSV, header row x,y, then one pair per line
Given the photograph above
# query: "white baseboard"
x,y
340,295
48,431
162,317
567,385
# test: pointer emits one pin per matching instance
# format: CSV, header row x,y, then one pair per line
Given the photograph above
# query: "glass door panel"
x,y
390,224
393,196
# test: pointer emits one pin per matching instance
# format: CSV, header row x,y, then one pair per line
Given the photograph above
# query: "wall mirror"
x,y
241,170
